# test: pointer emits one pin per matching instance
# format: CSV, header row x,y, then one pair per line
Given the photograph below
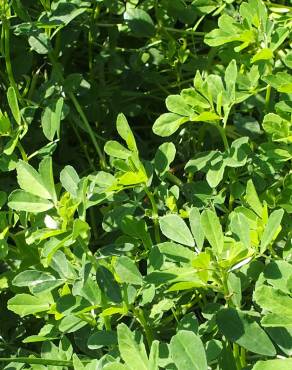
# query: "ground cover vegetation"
x,y
146,185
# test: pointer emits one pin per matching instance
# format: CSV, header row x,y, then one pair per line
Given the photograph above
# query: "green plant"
x,y
156,238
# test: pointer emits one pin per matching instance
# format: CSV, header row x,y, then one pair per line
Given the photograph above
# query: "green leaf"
x,y
71,323
240,328
168,123
26,304
164,156
174,228
212,230
272,229
240,227
140,22
70,180
115,366
125,132
133,353
37,281
39,41
46,172
176,104
117,150
253,199
101,338
187,351
51,119
282,337
154,356
127,271
20,200
77,364
108,284
281,81
13,104
277,320
215,174
194,99
230,79
284,364
262,54
31,181
196,227
278,274
273,300
3,249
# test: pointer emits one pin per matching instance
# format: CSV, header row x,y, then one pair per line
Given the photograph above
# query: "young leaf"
x,y
174,228
212,230
187,351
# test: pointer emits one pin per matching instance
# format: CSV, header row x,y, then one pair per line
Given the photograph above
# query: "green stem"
x,y
154,213
243,357
22,151
189,32
6,28
147,329
40,361
80,112
88,129
237,356
268,98
174,179
223,136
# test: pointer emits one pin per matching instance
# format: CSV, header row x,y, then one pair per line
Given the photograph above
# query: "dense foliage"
x,y
146,185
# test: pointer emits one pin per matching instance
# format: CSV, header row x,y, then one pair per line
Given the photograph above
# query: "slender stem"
x,y
190,32
84,147
40,361
154,213
89,129
147,329
174,179
242,357
268,98
6,26
22,151
237,356
223,136
80,112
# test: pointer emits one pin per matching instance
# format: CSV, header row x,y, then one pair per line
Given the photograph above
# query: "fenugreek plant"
x,y
146,185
